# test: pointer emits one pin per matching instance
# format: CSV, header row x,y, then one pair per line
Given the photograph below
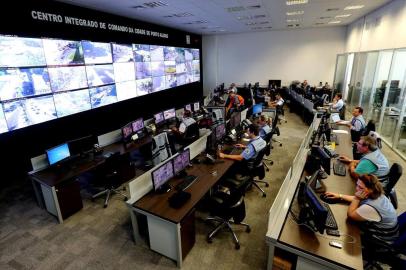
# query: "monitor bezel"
x,y
179,154
158,168
53,148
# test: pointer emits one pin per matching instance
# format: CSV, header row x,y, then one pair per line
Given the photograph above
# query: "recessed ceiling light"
x,y
292,20
294,25
334,22
256,28
353,7
332,9
253,7
296,2
235,9
264,22
155,4
343,16
325,17
251,23
298,12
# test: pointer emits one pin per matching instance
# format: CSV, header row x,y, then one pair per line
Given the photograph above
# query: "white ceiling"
x,y
233,16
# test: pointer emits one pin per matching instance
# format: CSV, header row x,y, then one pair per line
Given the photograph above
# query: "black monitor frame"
x,y
137,120
162,122
187,151
58,162
82,145
218,139
325,159
164,187
127,137
278,83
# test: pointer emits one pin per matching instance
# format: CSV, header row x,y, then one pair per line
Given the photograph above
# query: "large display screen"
x,y
43,79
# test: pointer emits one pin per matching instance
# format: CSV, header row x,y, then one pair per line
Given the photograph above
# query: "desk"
x,y
313,250
167,227
57,190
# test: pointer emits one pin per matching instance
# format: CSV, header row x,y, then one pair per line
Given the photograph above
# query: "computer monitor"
x,y
220,131
314,182
196,106
161,175
58,153
257,109
127,132
319,152
277,83
181,161
159,118
312,213
188,107
169,114
137,125
82,145
244,114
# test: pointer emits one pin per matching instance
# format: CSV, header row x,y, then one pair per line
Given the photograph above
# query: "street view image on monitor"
x,y
42,79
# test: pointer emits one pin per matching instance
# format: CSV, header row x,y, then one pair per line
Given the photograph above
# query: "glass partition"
x,y
368,80
339,76
393,99
357,76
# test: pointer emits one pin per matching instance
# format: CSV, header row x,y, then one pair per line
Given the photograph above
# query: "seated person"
x,y
338,102
277,102
371,207
187,120
357,124
234,102
233,87
372,162
264,126
255,145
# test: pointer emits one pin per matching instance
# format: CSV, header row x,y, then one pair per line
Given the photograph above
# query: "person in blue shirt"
x,y
265,126
251,150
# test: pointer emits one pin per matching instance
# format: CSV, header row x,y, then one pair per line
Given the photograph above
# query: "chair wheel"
x,y
263,195
280,145
237,246
267,170
125,198
105,206
271,162
248,229
267,185
209,240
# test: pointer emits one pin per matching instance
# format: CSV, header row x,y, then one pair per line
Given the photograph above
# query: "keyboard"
x,y
187,182
232,151
339,168
331,222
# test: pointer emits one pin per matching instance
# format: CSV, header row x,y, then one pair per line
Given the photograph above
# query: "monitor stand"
x,y
181,174
164,188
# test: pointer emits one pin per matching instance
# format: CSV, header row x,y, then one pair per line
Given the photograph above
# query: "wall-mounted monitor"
x,y
3,123
157,53
97,52
122,53
196,54
157,69
63,52
124,72
169,114
58,154
143,70
141,53
100,75
180,55
67,103
67,78
188,55
170,67
158,83
103,95
23,82
21,52
126,90
169,53
144,86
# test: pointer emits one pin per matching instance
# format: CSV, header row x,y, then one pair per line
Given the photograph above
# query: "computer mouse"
x,y
328,200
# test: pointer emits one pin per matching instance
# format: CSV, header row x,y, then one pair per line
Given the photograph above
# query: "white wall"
x,y
257,57
385,28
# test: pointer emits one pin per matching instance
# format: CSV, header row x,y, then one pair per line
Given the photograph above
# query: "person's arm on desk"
x,y
233,157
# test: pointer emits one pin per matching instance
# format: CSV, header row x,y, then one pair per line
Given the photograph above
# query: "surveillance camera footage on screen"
x,y
42,79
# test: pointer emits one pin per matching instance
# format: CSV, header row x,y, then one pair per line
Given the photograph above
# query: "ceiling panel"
x,y
235,16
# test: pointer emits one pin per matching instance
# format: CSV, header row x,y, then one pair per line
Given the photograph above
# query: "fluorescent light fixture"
x,y
334,22
354,7
296,2
292,20
343,16
292,13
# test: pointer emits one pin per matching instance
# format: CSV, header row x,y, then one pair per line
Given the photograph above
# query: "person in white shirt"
x,y
277,102
338,102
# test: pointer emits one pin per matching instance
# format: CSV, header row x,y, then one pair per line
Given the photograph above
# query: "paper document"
x,y
335,117
339,131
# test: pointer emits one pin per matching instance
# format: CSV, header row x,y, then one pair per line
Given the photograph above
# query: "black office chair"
x,y
392,253
394,175
342,112
256,168
227,207
268,140
111,176
191,134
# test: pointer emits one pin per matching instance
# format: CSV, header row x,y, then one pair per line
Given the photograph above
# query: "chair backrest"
x,y
255,165
268,140
342,112
192,131
395,173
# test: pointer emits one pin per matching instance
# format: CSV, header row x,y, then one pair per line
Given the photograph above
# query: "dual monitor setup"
x,y
196,107
165,116
165,172
133,130
63,152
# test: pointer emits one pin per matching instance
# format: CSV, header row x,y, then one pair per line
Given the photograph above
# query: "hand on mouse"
x,y
344,159
331,195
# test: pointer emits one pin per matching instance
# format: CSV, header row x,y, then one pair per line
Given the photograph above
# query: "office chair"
x,y
394,175
342,112
268,147
256,168
191,134
391,253
227,207
111,177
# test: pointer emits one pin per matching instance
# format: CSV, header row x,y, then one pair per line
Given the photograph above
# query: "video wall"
x,y
44,79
